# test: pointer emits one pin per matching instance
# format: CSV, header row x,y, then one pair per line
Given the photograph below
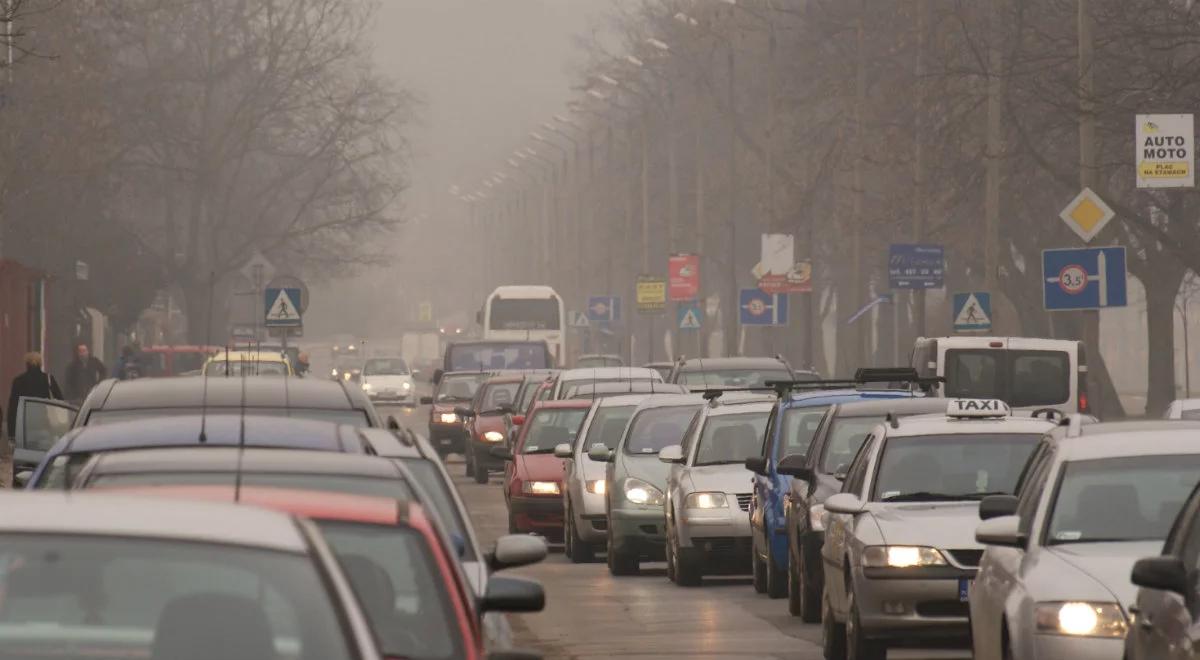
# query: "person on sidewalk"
x,y
32,384
83,373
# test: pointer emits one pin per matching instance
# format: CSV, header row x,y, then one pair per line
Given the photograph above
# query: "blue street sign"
x,y
916,266
972,312
758,308
604,309
1083,278
282,308
690,315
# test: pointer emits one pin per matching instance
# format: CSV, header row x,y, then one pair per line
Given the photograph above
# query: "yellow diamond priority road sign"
x,y
1087,214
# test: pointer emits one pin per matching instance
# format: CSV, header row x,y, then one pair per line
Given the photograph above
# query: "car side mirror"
x,y
1161,573
518,420
671,454
995,506
563,450
508,594
1003,531
392,423
464,412
757,465
516,550
845,503
22,478
796,466
427,401
501,452
599,453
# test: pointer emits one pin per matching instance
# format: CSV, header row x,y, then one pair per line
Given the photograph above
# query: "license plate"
x,y
964,589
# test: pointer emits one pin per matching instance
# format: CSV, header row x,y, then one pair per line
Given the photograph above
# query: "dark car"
x,y
699,374
453,391
487,425
494,356
836,441
63,461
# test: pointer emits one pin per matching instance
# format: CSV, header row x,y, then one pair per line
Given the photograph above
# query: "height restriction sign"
x,y
1166,151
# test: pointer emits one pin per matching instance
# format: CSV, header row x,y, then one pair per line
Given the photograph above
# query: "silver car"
x,y
899,552
708,491
1055,579
585,523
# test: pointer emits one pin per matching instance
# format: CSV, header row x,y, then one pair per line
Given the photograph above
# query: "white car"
x,y
602,375
134,576
388,380
899,552
1183,409
1054,581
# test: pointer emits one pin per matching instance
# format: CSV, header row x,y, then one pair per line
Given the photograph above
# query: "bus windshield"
x,y
525,314
498,355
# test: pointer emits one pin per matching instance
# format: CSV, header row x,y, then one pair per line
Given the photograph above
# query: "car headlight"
x,y
448,418
493,436
406,385
540,488
346,376
706,501
333,372
366,387
640,492
901,556
816,518
1081,619
597,486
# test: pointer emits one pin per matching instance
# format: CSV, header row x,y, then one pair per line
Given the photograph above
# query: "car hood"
x,y
485,423
539,467
388,381
648,469
731,478
1069,567
949,525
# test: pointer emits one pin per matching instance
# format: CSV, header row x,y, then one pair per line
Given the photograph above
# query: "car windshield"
x,y
731,438
67,597
598,361
845,437
799,427
436,489
552,427
951,467
656,428
328,483
719,378
499,394
246,368
385,367
350,416
1130,498
524,314
517,355
460,387
607,425
527,392
400,586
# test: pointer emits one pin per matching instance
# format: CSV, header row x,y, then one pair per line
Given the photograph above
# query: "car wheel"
x,y
776,579
582,552
468,464
568,537
687,567
481,474
621,562
512,524
671,550
808,598
858,647
760,574
833,634
793,585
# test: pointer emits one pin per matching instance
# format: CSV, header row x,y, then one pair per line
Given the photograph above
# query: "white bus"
x,y
516,313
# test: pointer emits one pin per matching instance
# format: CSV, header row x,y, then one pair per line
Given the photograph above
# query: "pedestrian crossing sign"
x,y
578,319
972,312
690,315
283,308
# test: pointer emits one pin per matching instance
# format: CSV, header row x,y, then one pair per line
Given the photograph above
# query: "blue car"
x,y
74,449
791,428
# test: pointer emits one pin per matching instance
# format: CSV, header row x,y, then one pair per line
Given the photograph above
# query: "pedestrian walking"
x,y
302,365
83,373
32,384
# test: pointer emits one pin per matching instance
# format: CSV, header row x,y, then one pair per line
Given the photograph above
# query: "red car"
x,y
401,568
487,426
533,475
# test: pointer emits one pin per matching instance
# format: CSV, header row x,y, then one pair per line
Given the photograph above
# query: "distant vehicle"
x,y
586,361
1183,409
515,313
164,573
247,363
346,367
185,360
487,425
732,372
1025,373
388,379
595,375
454,390
495,356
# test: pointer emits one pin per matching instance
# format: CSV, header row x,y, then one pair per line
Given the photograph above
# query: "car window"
x,y
550,428
654,429
329,483
45,423
799,427
1190,413
1188,548
718,378
528,391
1031,493
385,367
1039,378
845,436
607,425
143,598
857,472
731,438
350,416
498,394
436,489
974,374
61,472
459,388
246,368
1120,499
958,466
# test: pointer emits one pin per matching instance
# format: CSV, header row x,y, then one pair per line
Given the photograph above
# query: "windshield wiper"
x,y
923,496
980,496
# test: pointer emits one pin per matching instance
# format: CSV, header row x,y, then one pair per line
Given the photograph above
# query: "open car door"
x,y
40,423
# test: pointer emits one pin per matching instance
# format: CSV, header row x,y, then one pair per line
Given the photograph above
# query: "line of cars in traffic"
x,y
902,508
250,517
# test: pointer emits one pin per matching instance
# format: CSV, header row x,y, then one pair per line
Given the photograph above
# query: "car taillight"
x,y
1083,401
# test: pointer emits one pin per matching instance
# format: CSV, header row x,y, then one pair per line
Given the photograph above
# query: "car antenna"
x,y
703,373
212,277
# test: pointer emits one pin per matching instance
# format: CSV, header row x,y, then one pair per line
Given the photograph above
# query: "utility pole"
x,y
991,201
919,174
731,307
1087,168
858,336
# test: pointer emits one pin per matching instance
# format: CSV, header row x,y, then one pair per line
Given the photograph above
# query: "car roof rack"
x,y
901,376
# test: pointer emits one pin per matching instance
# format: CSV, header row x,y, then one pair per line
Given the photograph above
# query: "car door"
x,y
801,494
761,484
40,424
840,532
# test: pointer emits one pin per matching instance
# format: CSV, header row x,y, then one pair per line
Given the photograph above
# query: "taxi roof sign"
x,y
977,408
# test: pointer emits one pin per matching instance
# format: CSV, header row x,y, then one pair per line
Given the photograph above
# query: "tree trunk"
x,y
1160,336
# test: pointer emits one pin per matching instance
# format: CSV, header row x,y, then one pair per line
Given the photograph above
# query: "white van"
x,y
1026,373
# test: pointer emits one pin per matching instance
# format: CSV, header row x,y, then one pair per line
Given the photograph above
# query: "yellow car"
x,y
247,363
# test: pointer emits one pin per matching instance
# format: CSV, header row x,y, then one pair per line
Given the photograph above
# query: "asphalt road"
x,y
590,614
